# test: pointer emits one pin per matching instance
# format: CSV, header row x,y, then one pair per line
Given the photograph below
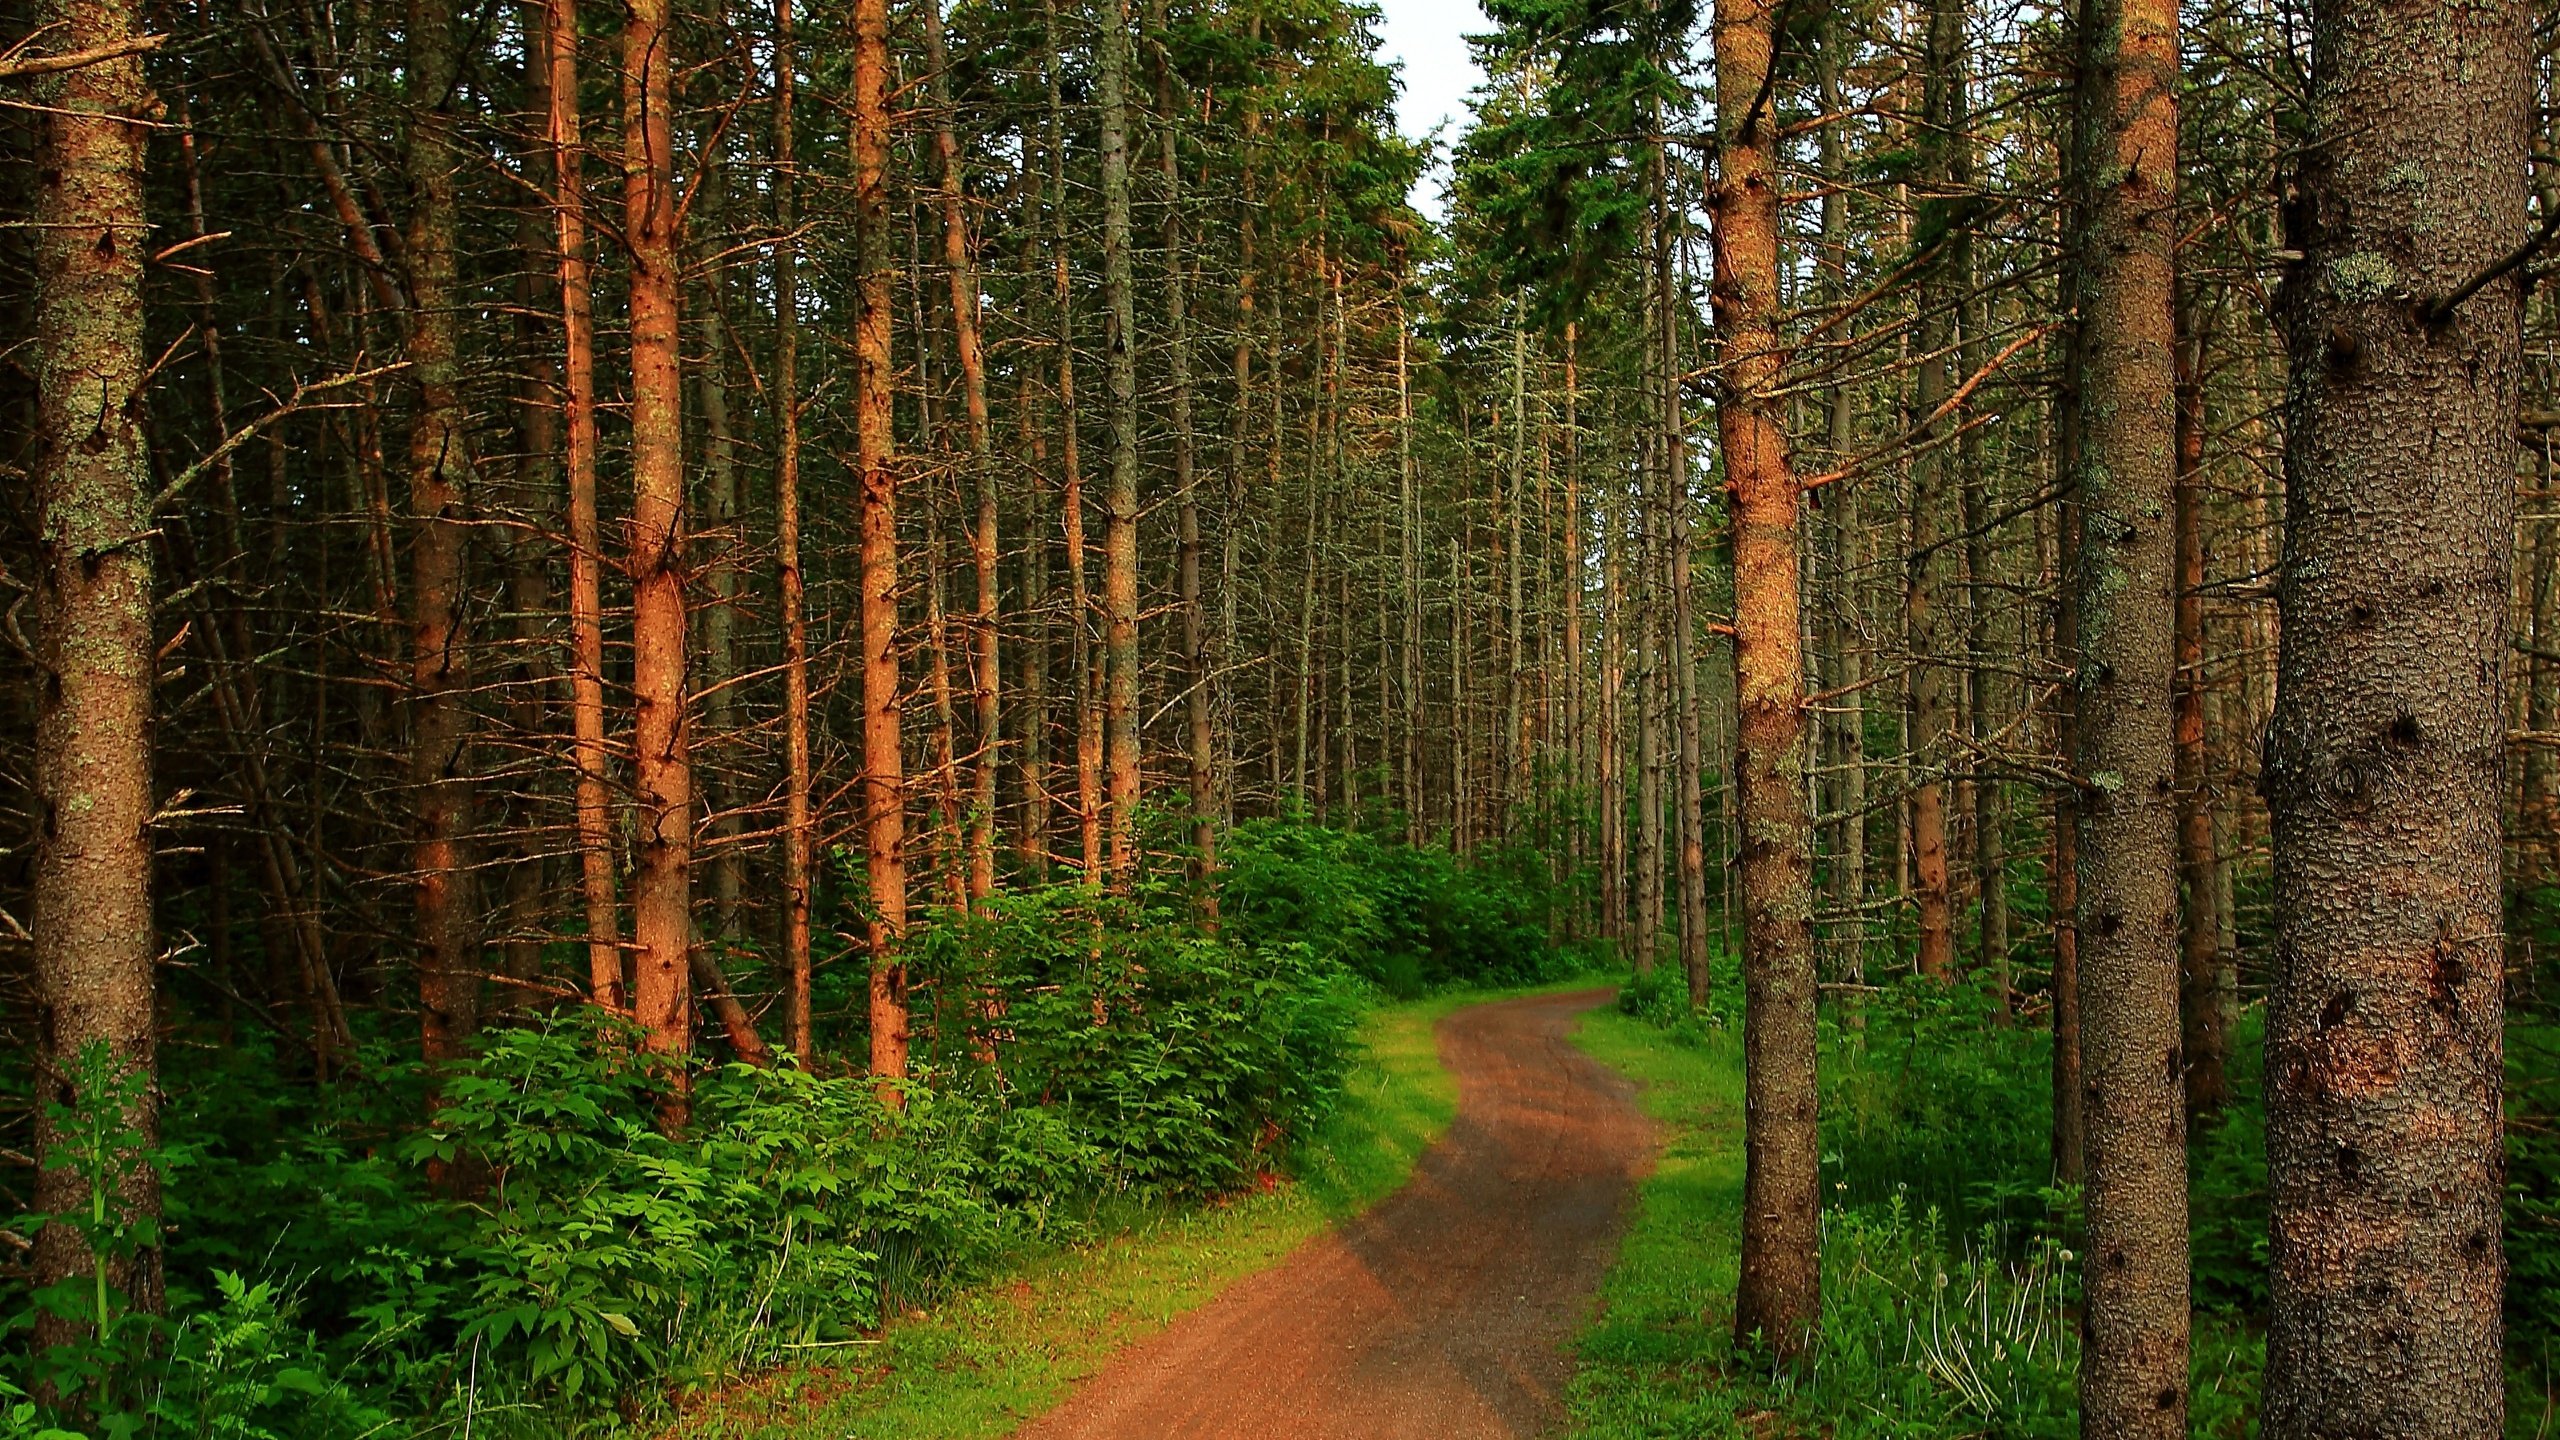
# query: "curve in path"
x,y
1441,1314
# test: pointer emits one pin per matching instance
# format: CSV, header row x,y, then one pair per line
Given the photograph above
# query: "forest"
x,y
772,717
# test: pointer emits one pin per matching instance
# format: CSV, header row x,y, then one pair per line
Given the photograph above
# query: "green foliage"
x,y
1406,918
1076,1053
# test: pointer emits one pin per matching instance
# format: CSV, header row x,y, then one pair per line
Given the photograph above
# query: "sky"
x,y
1430,38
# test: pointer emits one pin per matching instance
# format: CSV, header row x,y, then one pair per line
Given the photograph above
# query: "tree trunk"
x,y
442,480
2133,1366
2385,757
1929,596
2207,988
874,401
661,764
1780,1300
1120,501
586,536
985,692
798,840
95,940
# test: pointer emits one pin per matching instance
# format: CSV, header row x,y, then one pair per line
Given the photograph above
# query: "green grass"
x,y
1012,1347
1653,1361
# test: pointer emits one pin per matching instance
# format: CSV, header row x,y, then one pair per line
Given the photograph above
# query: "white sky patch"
x,y
1430,38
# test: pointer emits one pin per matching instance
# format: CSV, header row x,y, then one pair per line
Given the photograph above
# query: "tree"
x,y
661,759
1780,1300
2385,758
95,931
875,399
2133,1367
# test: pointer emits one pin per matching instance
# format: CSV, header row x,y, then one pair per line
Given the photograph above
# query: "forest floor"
x,y
1443,1311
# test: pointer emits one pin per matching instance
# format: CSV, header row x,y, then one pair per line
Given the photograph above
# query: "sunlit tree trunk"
x,y
874,400
985,689
594,826
1780,1300
661,761
1120,499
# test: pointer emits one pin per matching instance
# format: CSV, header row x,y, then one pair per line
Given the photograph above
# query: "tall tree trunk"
x,y
1071,495
718,614
1780,1299
985,691
2385,758
1120,500
2207,988
797,823
874,401
1929,595
2068,1149
661,762
1199,741
442,484
594,812
1681,692
95,940
2133,1365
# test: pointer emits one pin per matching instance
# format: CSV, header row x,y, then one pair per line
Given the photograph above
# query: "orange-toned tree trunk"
x,y
1120,498
874,396
1780,1300
661,766
95,942
985,653
586,539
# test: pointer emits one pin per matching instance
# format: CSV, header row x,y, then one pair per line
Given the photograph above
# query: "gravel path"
x,y
1443,1313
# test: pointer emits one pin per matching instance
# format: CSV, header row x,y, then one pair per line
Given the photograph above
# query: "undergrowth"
x,y
1080,1058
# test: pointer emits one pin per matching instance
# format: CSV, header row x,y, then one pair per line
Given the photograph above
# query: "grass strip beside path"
x,y
1001,1352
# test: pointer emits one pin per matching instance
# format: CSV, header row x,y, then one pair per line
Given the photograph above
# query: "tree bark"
x,y
95,940
594,824
661,761
2385,758
2207,989
985,690
442,481
2133,1366
874,401
1779,1304
797,822
1120,500
1929,594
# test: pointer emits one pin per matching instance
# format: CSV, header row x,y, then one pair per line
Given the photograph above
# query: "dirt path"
x,y
1443,1313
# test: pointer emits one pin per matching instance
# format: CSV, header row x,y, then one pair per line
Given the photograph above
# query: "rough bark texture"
x,y
2133,1367
441,485
960,264
661,765
586,538
1120,498
874,400
1780,1300
95,942
2384,763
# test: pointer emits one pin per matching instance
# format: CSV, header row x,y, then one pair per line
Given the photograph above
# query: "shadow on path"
x,y
1444,1312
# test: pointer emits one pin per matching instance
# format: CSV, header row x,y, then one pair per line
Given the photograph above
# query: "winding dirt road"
x,y
1443,1313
